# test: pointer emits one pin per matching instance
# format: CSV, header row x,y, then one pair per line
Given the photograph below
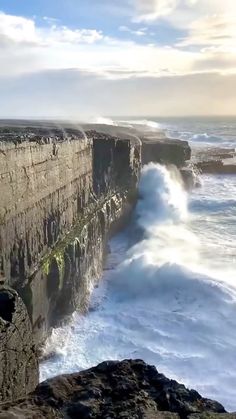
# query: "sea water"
x,y
168,292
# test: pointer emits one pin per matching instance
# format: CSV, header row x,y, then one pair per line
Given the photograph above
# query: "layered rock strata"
x,y
165,151
18,357
62,192
59,199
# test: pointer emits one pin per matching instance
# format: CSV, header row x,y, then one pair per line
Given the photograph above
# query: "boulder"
x,y
127,389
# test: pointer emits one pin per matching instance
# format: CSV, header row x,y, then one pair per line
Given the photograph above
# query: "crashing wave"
x,y
161,304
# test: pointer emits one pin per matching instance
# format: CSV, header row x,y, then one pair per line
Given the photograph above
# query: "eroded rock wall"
x,y
18,358
59,201
60,197
165,151
42,189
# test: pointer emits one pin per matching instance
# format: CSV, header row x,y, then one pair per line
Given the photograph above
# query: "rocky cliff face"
x,y
18,359
128,389
60,197
62,194
165,151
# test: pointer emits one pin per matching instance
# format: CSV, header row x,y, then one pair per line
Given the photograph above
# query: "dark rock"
x,y
214,160
128,389
165,151
209,415
216,167
190,177
18,360
60,200
201,154
73,189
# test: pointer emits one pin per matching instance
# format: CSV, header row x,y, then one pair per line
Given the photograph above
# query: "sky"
x,y
83,60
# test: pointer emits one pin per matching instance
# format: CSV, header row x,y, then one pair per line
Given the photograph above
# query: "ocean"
x,y
168,292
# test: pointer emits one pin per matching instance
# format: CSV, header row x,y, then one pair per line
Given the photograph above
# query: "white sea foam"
x,y
144,123
104,121
169,298
153,125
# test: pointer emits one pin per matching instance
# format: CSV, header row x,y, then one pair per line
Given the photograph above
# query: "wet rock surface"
x,y
127,389
215,160
63,190
165,151
18,358
217,167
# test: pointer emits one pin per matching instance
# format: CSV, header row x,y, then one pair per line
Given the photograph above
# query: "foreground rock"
x,y
128,389
19,365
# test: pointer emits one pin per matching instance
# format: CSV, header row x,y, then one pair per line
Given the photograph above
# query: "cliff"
x,y
128,389
59,200
165,151
63,192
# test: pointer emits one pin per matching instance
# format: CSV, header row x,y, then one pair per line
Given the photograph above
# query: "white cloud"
x,y
15,29
181,13
29,51
138,32
217,31
148,10
21,30
31,48
210,28
80,96
63,34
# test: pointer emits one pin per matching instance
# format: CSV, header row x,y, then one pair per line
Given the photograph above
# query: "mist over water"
x,y
199,131
210,132
168,294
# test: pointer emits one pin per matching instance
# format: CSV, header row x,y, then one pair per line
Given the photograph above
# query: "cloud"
x,y
81,95
150,10
48,63
212,31
21,30
65,35
138,32
225,63
31,49
16,29
27,48
180,12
